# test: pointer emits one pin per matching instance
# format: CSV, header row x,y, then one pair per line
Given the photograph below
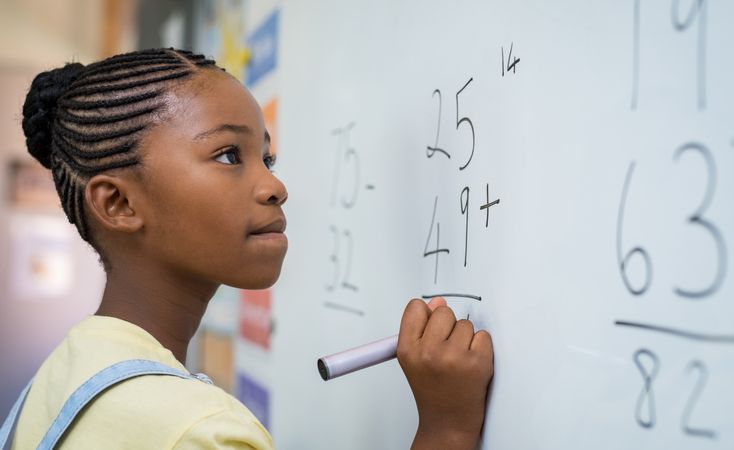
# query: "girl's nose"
x,y
271,191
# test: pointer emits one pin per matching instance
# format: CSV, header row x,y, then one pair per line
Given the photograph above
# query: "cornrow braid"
x,y
80,121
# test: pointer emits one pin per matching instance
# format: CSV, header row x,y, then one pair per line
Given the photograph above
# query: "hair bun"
x,y
39,109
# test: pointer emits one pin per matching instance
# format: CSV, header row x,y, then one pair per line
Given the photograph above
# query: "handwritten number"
x,y
698,9
683,25
698,366
334,258
465,211
437,250
346,198
646,416
336,261
697,219
431,150
635,54
648,364
623,261
511,63
335,179
344,148
352,154
346,284
467,121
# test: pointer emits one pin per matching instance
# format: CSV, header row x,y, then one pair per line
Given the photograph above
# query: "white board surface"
x,y
604,271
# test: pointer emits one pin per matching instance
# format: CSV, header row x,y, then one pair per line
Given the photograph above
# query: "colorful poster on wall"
x,y
222,35
263,43
256,318
255,397
270,114
216,358
41,260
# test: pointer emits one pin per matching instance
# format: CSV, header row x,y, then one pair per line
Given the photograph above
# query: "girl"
x,y
162,163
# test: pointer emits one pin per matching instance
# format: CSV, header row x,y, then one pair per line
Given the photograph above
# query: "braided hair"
x,y
83,120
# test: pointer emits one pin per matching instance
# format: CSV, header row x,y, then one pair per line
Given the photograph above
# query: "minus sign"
x,y
473,297
370,187
343,308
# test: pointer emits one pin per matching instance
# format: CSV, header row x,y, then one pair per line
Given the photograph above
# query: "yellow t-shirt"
x,y
148,412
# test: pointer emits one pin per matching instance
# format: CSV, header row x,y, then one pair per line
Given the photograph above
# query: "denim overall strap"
x,y
12,416
94,386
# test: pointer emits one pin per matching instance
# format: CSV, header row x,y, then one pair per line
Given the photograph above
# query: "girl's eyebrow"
x,y
240,129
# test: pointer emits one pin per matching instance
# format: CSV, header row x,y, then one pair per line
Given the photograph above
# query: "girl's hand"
x,y
448,367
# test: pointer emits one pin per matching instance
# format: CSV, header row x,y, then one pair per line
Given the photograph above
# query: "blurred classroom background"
x,y
49,278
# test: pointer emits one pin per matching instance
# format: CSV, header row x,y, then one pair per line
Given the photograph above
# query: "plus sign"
x,y
486,207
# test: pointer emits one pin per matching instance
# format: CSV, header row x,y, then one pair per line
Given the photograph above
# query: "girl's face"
x,y
213,207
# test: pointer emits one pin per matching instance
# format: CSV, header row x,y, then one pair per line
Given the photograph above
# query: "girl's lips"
x,y
276,226
270,235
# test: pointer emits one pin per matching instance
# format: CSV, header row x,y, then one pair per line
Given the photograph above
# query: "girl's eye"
x,y
269,161
229,156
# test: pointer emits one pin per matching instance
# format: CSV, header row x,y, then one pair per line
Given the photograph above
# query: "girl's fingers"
x,y
440,324
414,320
462,335
436,302
482,344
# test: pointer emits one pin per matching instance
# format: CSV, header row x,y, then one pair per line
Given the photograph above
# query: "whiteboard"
x,y
604,130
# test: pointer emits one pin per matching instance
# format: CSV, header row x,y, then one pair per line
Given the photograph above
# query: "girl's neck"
x,y
166,304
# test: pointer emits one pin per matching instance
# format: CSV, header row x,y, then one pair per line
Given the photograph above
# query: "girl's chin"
x,y
258,281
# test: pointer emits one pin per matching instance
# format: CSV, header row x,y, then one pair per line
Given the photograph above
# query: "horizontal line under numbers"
x,y
678,332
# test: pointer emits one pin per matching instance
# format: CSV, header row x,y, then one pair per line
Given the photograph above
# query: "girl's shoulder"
x,y
150,411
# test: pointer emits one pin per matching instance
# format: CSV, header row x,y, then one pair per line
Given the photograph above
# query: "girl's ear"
x,y
107,200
